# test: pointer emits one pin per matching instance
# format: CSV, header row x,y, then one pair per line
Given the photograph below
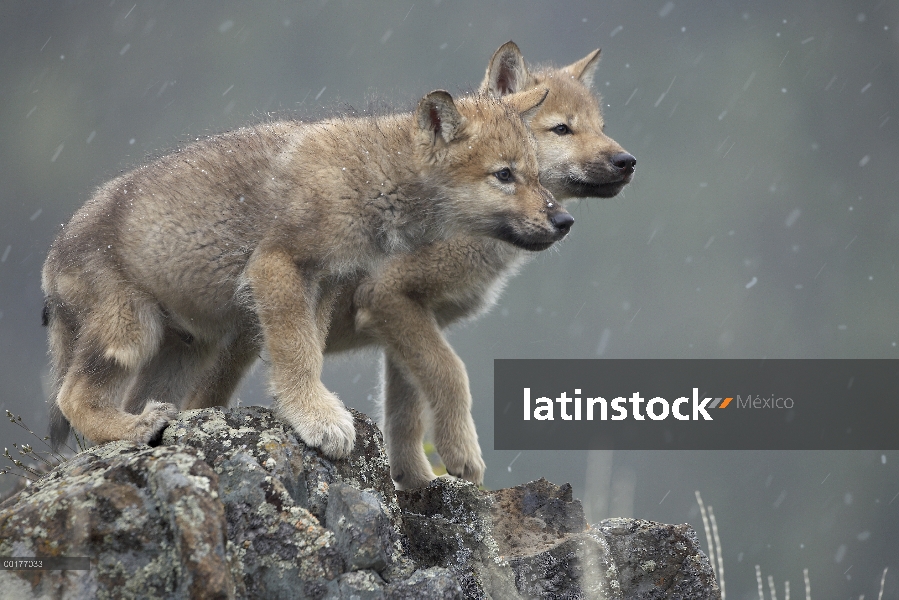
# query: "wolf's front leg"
x,y
412,338
290,311
403,425
443,380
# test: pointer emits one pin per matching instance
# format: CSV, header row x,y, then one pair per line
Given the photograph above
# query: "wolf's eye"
x,y
561,129
505,175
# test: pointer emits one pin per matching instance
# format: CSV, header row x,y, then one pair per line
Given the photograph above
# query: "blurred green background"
x,y
763,220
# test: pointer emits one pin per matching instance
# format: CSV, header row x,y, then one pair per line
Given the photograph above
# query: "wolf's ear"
x,y
584,68
438,116
527,103
506,73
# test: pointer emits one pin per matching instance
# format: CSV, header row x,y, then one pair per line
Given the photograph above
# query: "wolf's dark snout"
x,y
562,221
624,162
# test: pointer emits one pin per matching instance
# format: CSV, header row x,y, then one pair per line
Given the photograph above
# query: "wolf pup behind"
x,y
405,304
238,244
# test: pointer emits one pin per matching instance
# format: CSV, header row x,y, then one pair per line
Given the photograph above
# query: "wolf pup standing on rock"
x,y
404,305
240,242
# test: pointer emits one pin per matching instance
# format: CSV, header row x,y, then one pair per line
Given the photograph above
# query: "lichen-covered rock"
x,y
149,518
532,541
533,516
362,529
577,566
233,505
304,471
448,524
283,550
357,585
434,583
655,561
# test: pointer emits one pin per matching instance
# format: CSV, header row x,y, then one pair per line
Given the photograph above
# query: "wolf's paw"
x,y
151,422
324,424
460,452
410,470
470,468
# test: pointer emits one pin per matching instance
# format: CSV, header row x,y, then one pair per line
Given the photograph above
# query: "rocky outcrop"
x,y
532,541
232,505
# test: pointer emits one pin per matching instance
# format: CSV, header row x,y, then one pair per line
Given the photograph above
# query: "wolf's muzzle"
x,y
624,162
562,221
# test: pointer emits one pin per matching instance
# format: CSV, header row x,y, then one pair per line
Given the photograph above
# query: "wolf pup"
x,y
239,243
404,305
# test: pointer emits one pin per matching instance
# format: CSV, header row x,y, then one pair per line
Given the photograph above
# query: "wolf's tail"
x,y
59,427
60,335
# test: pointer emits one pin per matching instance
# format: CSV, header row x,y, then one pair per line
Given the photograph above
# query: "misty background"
x,y
762,222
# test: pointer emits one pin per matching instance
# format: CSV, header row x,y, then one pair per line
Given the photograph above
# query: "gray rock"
x,y
283,550
434,583
448,524
305,472
149,518
361,527
357,585
654,560
233,505
532,541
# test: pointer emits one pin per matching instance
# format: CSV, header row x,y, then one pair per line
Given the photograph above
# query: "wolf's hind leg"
x,y
217,384
88,399
172,373
115,341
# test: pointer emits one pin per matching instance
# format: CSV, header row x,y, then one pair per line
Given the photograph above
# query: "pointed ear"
x,y
584,68
438,117
506,73
527,103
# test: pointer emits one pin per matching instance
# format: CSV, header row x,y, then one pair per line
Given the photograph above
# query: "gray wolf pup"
x,y
404,305
177,271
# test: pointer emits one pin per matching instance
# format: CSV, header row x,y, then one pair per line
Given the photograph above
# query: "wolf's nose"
x,y
625,162
562,221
